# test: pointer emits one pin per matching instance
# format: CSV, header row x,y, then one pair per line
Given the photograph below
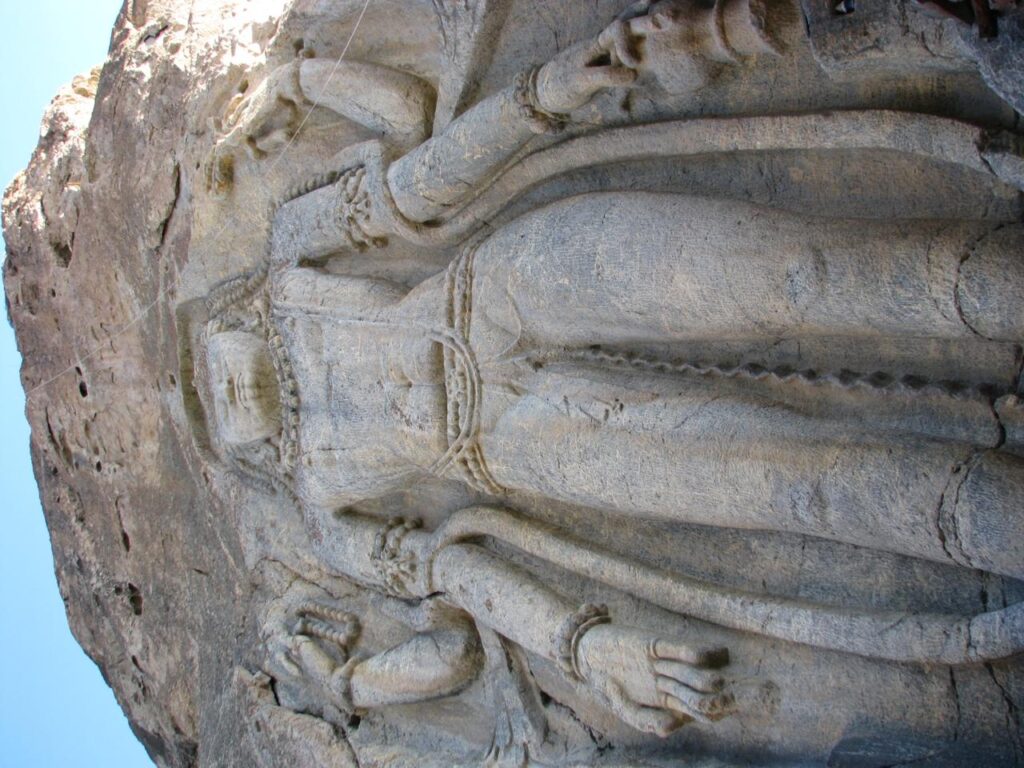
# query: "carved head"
x,y
243,386
232,383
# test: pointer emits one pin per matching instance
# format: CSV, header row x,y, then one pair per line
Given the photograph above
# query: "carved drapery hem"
x,y
464,457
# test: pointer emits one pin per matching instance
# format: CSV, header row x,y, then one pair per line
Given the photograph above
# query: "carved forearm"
x,y
312,290
513,603
446,168
344,543
383,554
332,218
498,594
383,99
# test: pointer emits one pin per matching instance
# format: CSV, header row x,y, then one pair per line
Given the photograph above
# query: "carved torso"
x,y
371,394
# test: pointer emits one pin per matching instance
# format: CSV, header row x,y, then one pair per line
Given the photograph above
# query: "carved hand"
x,y
622,37
572,78
320,668
263,105
653,684
260,120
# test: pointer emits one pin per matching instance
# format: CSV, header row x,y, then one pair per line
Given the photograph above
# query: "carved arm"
x,y
313,290
324,221
654,684
263,119
318,642
443,170
427,666
394,103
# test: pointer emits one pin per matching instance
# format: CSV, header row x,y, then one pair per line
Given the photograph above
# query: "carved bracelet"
x,y
395,568
571,631
524,89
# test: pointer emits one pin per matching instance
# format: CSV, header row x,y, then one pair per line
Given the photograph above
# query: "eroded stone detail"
x,y
453,378
584,374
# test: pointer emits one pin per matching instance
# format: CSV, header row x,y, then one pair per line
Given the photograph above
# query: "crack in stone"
x,y
946,520
164,225
1013,723
956,702
957,305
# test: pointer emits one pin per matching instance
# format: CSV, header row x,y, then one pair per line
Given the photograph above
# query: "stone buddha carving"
x,y
569,354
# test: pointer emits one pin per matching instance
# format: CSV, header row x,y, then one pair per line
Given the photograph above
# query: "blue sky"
x,y
55,709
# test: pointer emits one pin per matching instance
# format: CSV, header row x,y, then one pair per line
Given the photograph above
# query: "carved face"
x,y
245,393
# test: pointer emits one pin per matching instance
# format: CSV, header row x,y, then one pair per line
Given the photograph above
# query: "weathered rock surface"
x,y
171,169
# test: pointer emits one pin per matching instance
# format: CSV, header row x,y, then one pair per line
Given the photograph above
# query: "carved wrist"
x,y
524,88
355,212
397,568
571,632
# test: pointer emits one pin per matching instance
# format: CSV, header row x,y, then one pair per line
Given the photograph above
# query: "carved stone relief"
x,y
526,368
636,384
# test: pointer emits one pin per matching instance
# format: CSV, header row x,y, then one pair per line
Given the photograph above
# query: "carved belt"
x,y
464,458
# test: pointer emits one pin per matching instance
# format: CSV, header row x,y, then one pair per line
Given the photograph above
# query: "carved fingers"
x,y
323,621
282,661
596,78
699,705
687,680
656,720
570,79
260,119
705,680
656,684
617,42
622,38
660,20
314,660
260,104
674,650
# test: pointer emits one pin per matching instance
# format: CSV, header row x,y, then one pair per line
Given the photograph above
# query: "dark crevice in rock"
x,y
132,594
957,300
1013,722
126,541
956,703
1000,427
957,303
947,511
57,441
62,252
171,209
272,687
